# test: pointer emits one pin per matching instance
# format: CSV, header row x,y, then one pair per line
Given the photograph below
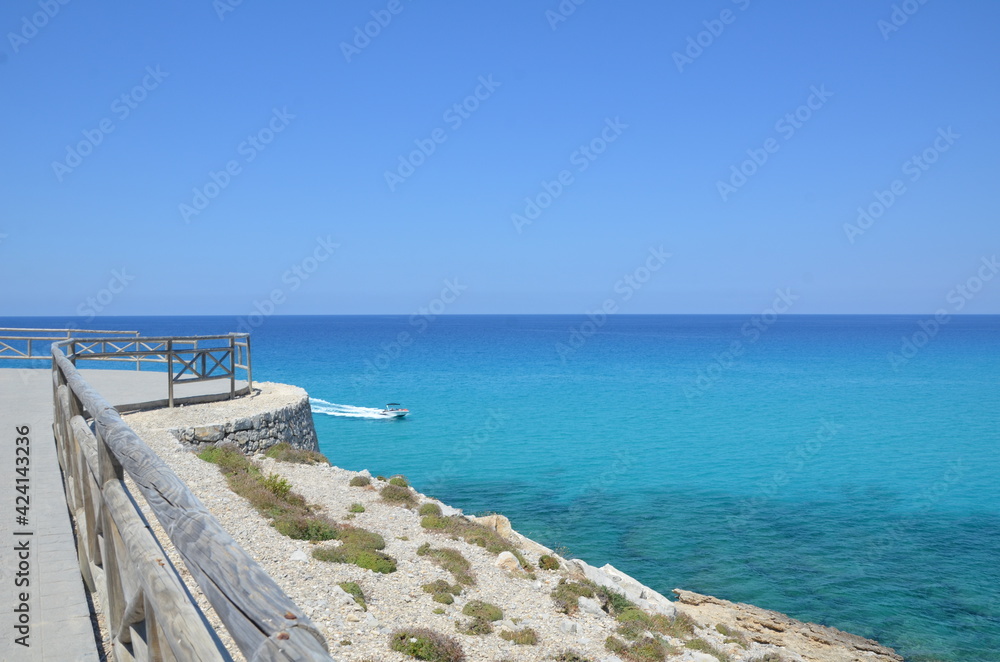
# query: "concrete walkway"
x,y
59,619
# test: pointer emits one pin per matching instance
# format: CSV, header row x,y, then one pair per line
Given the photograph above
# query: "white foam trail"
x,y
346,411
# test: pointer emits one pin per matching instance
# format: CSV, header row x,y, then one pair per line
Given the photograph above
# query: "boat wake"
x,y
345,411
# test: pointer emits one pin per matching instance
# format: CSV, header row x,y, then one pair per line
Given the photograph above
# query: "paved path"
x,y
57,608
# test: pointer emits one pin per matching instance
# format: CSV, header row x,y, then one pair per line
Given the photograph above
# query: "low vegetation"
x,y
399,481
731,636
430,508
546,562
285,452
567,595
356,508
473,533
570,656
703,646
451,560
442,591
647,649
635,622
483,610
522,637
360,547
398,495
355,592
271,495
360,481
426,644
474,627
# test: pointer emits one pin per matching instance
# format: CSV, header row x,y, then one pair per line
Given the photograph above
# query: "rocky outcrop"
x,y
289,422
809,641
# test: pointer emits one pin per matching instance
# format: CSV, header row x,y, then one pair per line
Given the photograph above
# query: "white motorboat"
x,y
392,410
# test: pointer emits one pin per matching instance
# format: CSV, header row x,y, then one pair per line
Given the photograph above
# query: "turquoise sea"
x,y
789,464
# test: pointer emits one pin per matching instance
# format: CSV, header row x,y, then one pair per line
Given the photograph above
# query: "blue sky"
x,y
626,121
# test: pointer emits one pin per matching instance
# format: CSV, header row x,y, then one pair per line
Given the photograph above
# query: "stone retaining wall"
x,y
253,434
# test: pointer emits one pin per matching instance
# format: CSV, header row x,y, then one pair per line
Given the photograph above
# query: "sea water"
x,y
844,470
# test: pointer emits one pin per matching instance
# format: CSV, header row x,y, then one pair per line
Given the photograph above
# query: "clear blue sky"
x,y
554,86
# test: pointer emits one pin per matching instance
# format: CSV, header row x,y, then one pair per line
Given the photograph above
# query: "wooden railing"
x,y
148,611
188,360
21,343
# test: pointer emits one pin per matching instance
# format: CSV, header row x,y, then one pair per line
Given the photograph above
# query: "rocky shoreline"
x,y
741,633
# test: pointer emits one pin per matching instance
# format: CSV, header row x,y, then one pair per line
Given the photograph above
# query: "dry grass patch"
x,y
271,495
426,644
451,560
285,452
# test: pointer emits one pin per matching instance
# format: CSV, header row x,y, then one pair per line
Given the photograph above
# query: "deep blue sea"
x,y
790,464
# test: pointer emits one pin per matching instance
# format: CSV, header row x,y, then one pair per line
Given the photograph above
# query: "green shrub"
x,y
649,649
471,532
355,591
613,602
451,560
523,562
703,646
426,644
476,626
399,481
438,610
360,481
359,547
381,478
307,527
356,508
284,452
522,637
570,656
441,586
444,598
399,495
635,622
567,595
546,562
271,496
483,610
430,509
277,485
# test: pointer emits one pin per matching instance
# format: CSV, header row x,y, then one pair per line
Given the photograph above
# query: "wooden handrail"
x,y
187,352
118,552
